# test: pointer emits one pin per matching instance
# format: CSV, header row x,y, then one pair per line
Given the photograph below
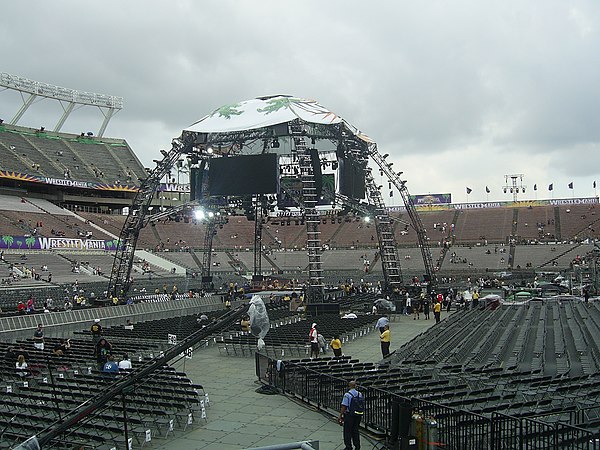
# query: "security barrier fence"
x,y
432,424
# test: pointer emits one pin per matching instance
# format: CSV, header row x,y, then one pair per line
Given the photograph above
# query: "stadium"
x,y
281,200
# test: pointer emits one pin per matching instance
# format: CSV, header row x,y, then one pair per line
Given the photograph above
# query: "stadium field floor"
x,y
240,418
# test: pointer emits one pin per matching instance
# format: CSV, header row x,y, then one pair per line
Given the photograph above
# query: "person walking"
x,y
38,337
351,412
336,346
416,308
96,331
313,338
385,339
437,309
426,308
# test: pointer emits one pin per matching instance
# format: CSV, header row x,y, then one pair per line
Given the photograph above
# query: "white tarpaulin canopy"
x,y
265,112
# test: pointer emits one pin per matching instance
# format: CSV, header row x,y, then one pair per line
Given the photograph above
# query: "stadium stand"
x,y
493,225
53,154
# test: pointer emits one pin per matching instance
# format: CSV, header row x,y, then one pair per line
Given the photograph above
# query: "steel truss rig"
x,y
204,146
69,99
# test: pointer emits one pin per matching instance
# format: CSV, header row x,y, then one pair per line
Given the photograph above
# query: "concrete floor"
x,y
240,418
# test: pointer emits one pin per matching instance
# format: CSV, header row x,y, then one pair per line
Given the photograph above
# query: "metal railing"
x,y
455,428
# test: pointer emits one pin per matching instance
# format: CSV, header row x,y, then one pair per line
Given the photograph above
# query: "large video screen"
x,y
291,188
351,179
244,175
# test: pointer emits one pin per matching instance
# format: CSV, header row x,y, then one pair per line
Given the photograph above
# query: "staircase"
x,y
316,289
449,238
557,232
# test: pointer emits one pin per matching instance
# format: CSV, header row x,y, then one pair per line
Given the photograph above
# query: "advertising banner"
x,y
431,199
67,182
50,243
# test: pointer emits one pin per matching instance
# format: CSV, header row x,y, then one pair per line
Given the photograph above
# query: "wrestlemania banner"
x,y
67,182
49,243
164,187
517,204
431,199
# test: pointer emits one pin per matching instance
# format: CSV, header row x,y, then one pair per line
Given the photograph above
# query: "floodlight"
x,y
275,143
164,153
386,155
209,150
199,214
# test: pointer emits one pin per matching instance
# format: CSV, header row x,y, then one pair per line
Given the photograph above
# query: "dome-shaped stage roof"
x,y
265,112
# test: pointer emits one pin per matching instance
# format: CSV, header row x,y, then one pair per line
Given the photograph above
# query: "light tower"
x,y
514,185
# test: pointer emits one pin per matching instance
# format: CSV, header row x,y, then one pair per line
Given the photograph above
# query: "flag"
x,y
487,189
535,187
550,186
594,185
571,185
469,190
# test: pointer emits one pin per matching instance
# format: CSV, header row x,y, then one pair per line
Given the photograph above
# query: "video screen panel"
x,y
351,179
244,175
292,188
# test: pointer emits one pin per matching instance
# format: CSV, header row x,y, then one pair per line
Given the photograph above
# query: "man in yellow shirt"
x,y
437,309
385,341
336,346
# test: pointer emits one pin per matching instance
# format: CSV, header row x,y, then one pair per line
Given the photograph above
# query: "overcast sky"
x,y
458,93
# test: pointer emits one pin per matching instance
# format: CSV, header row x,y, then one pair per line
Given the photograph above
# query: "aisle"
x,y
239,418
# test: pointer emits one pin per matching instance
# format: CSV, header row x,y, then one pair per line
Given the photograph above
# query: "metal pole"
x,y
125,419
54,396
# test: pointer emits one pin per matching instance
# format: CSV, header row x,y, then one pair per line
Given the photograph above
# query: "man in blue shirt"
x,y
382,322
110,366
350,417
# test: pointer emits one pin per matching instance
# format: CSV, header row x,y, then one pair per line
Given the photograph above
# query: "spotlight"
x,y
89,133
275,143
312,140
211,214
209,150
334,165
199,214
367,219
504,190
